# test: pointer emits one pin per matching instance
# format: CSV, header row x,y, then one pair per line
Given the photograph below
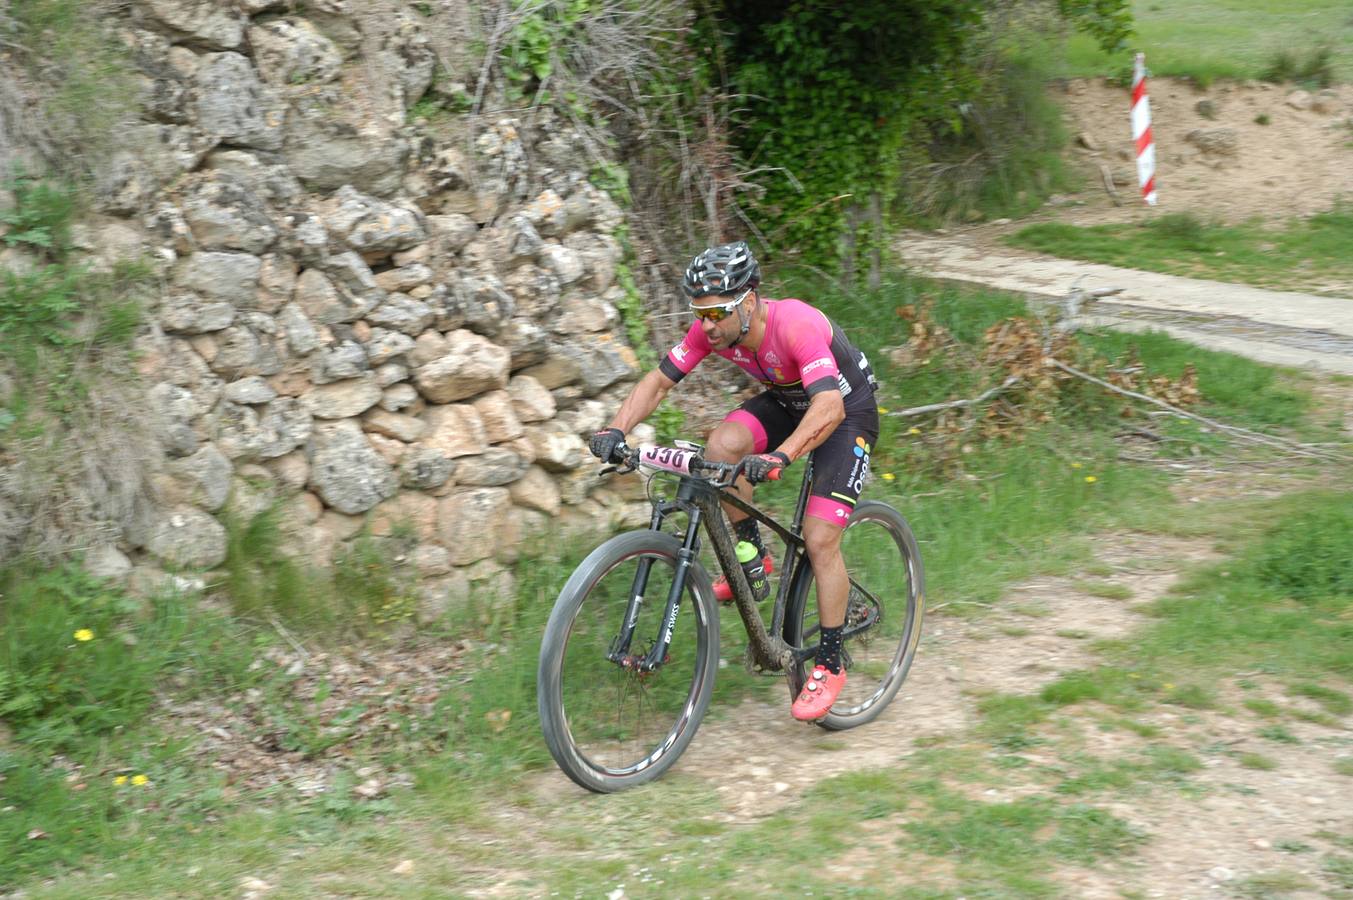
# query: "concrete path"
x,y
1276,327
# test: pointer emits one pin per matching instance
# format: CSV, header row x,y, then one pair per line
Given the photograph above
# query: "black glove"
x,y
758,466
604,442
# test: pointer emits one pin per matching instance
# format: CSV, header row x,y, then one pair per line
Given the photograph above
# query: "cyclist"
x,y
819,398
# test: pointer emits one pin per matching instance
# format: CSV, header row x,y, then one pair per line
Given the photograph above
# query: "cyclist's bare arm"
x,y
643,399
826,411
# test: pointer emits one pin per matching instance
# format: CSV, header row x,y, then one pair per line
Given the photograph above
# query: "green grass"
x,y
1206,40
1257,761
1300,255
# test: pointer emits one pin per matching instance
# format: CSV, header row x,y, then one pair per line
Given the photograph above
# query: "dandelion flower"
x,y
140,780
888,476
120,780
1168,686
1090,479
1075,465
84,634
913,430
883,410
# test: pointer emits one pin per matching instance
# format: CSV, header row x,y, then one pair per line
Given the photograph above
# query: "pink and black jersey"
x,y
803,353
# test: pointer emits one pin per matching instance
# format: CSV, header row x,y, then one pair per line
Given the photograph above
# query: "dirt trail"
x,y
1276,327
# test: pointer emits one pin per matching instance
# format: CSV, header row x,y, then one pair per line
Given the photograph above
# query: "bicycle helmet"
x,y
724,269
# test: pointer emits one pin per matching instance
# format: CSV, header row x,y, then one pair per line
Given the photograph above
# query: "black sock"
x,y
749,530
829,650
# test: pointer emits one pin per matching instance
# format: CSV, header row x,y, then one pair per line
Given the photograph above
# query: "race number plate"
x,y
669,459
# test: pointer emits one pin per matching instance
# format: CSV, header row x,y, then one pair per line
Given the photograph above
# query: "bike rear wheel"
x,y
610,726
887,600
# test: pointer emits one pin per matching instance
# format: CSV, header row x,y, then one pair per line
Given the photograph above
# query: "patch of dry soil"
x,y
1297,165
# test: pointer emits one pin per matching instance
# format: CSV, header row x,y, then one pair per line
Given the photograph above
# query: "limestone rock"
x,y
188,538
425,468
190,314
494,467
343,399
225,215
394,425
1217,141
326,154
499,417
405,277
292,50
531,401
203,22
105,562
385,346
471,365
344,360
173,408
402,313
557,449
471,523
249,391
232,277
208,471
345,471
536,490
234,106
455,430
369,225
300,332
269,180
398,396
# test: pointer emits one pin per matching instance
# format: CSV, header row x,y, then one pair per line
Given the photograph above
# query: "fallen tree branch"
x,y
955,404
1233,430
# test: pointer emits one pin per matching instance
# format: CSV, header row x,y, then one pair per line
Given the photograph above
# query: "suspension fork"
x,y
657,654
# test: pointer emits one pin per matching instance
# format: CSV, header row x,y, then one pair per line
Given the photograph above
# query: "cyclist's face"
x,y
718,317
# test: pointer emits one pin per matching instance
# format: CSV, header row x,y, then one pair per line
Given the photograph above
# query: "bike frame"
x,y
701,501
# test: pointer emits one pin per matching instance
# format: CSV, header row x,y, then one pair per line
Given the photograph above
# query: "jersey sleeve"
x,y
686,355
813,353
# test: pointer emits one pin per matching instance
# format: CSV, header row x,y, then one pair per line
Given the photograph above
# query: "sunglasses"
x,y
719,311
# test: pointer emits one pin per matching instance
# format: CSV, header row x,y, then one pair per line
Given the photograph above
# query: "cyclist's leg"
x,y
756,425
840,466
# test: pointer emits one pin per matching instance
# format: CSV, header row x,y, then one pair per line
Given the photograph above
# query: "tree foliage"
x,y
837,92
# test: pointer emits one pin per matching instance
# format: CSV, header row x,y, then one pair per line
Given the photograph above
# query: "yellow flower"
x,y
1090,479
140,780
120,780
1075,465
84,634
913,430
1133,675
888,476
883,410
1169,686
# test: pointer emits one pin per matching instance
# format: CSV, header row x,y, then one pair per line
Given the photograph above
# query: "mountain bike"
x,y
631,648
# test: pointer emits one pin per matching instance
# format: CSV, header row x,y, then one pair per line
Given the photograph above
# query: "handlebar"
x,y
681,461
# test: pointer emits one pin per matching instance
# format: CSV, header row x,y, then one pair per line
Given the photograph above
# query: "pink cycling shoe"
x,y
818,695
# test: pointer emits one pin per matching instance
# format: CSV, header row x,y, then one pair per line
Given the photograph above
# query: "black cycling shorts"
x,y
840,463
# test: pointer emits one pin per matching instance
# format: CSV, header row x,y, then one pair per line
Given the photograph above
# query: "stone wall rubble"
x,y
366,321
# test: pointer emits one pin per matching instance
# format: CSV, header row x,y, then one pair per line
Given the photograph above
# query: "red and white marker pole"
x,y
1141,132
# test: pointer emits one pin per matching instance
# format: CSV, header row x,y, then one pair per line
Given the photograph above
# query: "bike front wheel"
x,y
883,616
609,724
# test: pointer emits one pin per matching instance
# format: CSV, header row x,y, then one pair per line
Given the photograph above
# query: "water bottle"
x,y
754,568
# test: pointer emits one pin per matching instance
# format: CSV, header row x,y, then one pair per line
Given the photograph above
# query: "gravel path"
x,y
1275,327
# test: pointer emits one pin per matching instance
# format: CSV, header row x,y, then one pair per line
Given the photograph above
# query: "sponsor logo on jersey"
x,y
843,384
772,358
680,351
816,364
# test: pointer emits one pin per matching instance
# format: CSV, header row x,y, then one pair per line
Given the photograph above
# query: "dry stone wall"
x,y
366,322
